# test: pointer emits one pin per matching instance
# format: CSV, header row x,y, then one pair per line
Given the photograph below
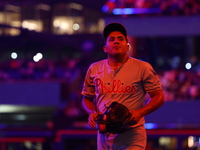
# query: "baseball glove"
x,y
113,118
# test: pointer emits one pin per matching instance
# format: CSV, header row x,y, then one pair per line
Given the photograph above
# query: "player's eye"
x,y
111,39
121,39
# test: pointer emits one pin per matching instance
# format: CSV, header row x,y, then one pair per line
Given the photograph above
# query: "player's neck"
x,y
116,62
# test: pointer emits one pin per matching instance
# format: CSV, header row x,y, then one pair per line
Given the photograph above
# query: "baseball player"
x,y
125,80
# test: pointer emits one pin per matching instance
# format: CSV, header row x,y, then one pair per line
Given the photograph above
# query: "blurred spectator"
x,y
180,85
27,70
194,92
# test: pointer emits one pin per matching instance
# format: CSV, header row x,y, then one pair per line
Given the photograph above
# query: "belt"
x,y
120,130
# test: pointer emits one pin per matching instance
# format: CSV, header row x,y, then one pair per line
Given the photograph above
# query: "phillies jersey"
x,y
126,85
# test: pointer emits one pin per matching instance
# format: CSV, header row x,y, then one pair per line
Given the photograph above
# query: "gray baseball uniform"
x,y
127,85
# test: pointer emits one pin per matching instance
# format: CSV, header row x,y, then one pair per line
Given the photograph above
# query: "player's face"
x,y
116,44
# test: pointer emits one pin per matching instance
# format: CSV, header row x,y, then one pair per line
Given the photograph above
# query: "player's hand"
x,y
92,120
136,115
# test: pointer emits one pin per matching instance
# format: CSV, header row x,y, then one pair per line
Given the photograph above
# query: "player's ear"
x,y
105,49
129,46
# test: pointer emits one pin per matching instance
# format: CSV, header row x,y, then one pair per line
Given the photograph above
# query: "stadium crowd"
x,y
178,85
167,7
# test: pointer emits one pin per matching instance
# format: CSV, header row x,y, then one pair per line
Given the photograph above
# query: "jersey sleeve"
x,y
150,79
88,85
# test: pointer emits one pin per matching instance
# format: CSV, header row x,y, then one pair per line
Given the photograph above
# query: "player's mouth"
x,y
116,47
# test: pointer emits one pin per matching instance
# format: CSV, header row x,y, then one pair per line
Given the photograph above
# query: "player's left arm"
x,y
157,100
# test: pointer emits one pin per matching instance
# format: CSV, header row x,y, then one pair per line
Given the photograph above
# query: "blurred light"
x,y
28,144
29,25
190,141
13,55
105,8
76,6
188,66
12,8
14,32
150,125
9,108
164,141
129,11
76,26
44,7
32,25
1,17
118,11
20,117
15,23
37,57
56,23
64,25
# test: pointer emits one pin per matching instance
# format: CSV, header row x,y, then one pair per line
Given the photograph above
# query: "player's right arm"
x,y
89,107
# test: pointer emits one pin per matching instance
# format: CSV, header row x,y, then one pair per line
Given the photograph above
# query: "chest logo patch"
x,y
116,86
